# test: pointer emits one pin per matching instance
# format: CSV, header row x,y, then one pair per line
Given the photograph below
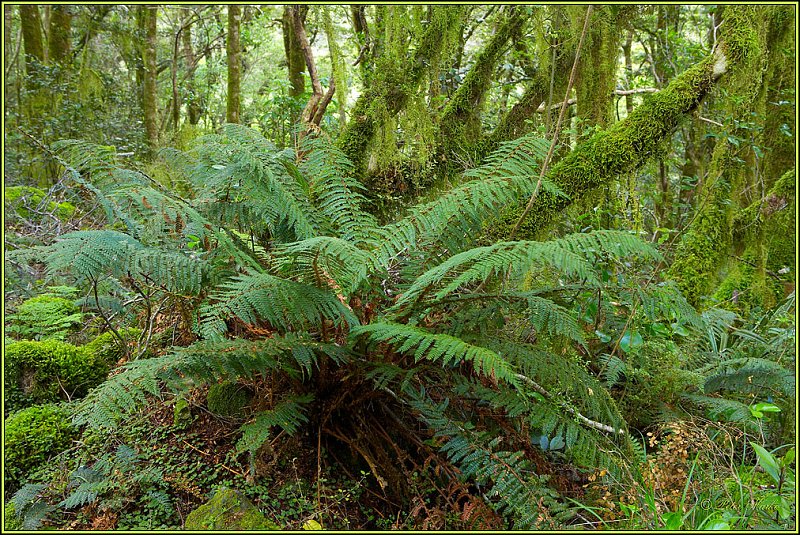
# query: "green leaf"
x,y
557,443
631,340
768,462
603,337
672,521
679,329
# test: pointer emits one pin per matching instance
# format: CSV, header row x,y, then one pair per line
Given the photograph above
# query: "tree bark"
x,y
234,51
193,107
295,61
31,22
60,33
150,74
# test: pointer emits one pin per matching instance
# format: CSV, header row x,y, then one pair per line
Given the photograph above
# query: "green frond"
x,y
449,350
751,376
288,415
509,175
89,254
285,304
573,255
315,260
201,363
510,480
337,193
547,316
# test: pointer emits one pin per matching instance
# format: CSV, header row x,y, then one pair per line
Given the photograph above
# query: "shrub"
x,y
32,436
49,370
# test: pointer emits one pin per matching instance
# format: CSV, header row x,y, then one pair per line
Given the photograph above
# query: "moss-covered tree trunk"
x,y
550,76
295,61
460,123
234,51
629,143
596,78
193,107
60,33
394,83
31,22
706,247
149,19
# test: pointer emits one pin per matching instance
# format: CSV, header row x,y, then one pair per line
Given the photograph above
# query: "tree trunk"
x,y
294,54
460,125
597,67
60,33
706,245
193,107
31,22
393,85
150,74
234,51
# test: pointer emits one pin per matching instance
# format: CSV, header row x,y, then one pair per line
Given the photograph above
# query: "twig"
x,y
590,423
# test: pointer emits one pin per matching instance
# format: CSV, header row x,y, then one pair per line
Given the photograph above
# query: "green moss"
x,y
10,520
45,316
32,436
106,348
228,510
21,199
50,370
228,399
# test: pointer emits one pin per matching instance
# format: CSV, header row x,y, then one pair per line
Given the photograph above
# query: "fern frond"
x,y
572,255
337,193
314,260
201,363
751,376
93,253
449,350
288,415
285,304
450,221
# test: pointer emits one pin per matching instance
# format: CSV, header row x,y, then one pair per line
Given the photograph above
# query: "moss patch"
x,y
228,510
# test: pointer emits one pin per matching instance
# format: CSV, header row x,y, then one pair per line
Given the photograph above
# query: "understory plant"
x,y
405,343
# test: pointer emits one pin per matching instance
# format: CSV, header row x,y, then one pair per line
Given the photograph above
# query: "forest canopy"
x,y
465,266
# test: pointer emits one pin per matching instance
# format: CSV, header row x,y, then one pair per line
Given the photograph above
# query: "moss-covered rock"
x,y
48,371
228,509
32,436
228,399
45,316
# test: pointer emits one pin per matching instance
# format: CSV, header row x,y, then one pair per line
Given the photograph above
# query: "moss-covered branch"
x,y
626,145
394,84
460,122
